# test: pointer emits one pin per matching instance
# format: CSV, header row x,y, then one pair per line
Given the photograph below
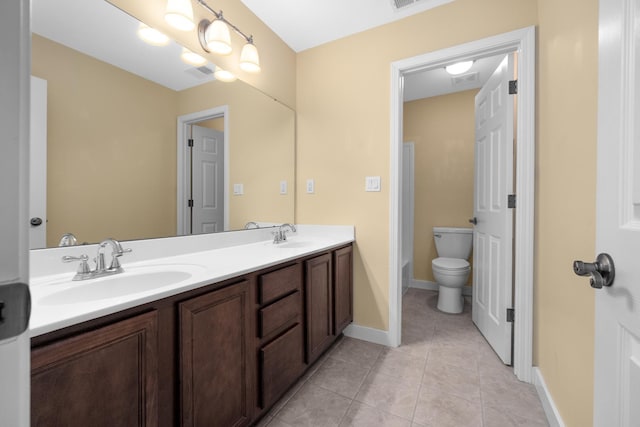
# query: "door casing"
x,y
523,42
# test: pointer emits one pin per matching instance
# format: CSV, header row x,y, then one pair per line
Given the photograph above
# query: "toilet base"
x,y
450,300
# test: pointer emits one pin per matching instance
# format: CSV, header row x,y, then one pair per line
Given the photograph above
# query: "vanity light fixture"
x,y
179,14
152,36
458,67
214,36
192,58
224,75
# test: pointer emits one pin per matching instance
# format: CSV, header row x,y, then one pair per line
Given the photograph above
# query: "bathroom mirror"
x,y
114,136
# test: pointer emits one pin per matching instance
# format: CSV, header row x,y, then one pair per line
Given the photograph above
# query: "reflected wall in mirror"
x,y
113,152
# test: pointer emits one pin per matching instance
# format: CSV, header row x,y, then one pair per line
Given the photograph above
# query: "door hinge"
x,y
513,87
511,201
190,203
511,315
190,142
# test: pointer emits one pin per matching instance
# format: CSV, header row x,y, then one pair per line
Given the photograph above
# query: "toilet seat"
x,y
450,264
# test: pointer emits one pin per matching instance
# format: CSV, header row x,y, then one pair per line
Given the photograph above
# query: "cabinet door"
x,y
105,377
215,358
319,305
281,363
342,288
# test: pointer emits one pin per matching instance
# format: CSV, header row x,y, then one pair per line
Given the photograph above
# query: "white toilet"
x,y
451,269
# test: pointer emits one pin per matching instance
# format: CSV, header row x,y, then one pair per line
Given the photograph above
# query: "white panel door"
x,y
38,163
207,177
492,236
617,325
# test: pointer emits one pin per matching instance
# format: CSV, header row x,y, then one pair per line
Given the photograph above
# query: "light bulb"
x,y
152,36
224,75
249,58
458,67
192,58
179,14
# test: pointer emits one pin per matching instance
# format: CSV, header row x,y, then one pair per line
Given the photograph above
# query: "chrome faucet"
x,y
280,235
68,239
84,271
117,252
251,224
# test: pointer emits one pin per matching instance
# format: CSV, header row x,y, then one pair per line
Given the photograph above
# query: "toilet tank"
x,y
453,242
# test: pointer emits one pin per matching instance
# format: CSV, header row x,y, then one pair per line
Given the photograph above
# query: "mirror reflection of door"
x,y
206,179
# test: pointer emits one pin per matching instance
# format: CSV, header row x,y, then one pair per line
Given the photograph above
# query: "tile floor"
x,y
444,374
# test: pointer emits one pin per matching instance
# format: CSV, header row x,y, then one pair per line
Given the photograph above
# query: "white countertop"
x,y
58,302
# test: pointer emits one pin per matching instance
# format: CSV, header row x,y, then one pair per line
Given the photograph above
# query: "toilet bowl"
x,y
451,269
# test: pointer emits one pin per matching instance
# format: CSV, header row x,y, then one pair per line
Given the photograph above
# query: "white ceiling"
x,y
304,24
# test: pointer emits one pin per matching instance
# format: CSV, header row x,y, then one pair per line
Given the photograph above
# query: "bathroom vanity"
x,y
214,351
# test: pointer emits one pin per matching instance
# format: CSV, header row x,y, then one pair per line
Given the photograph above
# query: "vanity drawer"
x,y
280,282
281,364
278,314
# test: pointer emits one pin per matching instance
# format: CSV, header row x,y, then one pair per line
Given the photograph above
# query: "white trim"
x,y
428,285
549,406
365,333
522,41
182,174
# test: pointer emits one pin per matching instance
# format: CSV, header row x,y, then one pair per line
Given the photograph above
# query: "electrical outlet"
x,y
372,183
238,189
310,186
283,187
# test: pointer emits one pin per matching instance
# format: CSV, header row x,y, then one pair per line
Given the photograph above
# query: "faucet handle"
x,y
83,268
115,263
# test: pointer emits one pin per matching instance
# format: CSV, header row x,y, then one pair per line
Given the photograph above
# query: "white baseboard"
x,y
433,286
549,406
365,333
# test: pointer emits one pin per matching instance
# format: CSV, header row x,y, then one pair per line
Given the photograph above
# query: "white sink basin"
x,y
132,281
292,244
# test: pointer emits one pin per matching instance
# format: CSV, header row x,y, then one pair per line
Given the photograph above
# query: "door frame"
x,y
522,41
182,174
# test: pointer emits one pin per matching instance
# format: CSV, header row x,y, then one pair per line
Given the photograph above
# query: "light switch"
x,y
283,187
372,183
310,186
238,189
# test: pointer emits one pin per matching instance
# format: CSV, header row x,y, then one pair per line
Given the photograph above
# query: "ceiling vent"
x,y
399,4
465,79
200,72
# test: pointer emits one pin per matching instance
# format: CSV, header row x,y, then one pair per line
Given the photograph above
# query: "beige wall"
x,y
442,130
343,135
565,197
343,127
106,148
262,132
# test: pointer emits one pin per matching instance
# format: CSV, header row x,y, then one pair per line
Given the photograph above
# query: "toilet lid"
x,y
450,263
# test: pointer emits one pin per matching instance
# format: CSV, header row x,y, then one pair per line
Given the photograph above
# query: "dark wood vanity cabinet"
x,y
342,288
219,355
103,377
215,339
319,305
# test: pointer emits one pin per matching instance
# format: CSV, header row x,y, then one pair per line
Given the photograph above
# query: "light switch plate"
x,y
238,189
311,186
283,187
372,183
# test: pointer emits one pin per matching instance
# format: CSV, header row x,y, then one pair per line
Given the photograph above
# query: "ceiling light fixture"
x,y
192,58
179,14
214,36
458,67
152,36
224,75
